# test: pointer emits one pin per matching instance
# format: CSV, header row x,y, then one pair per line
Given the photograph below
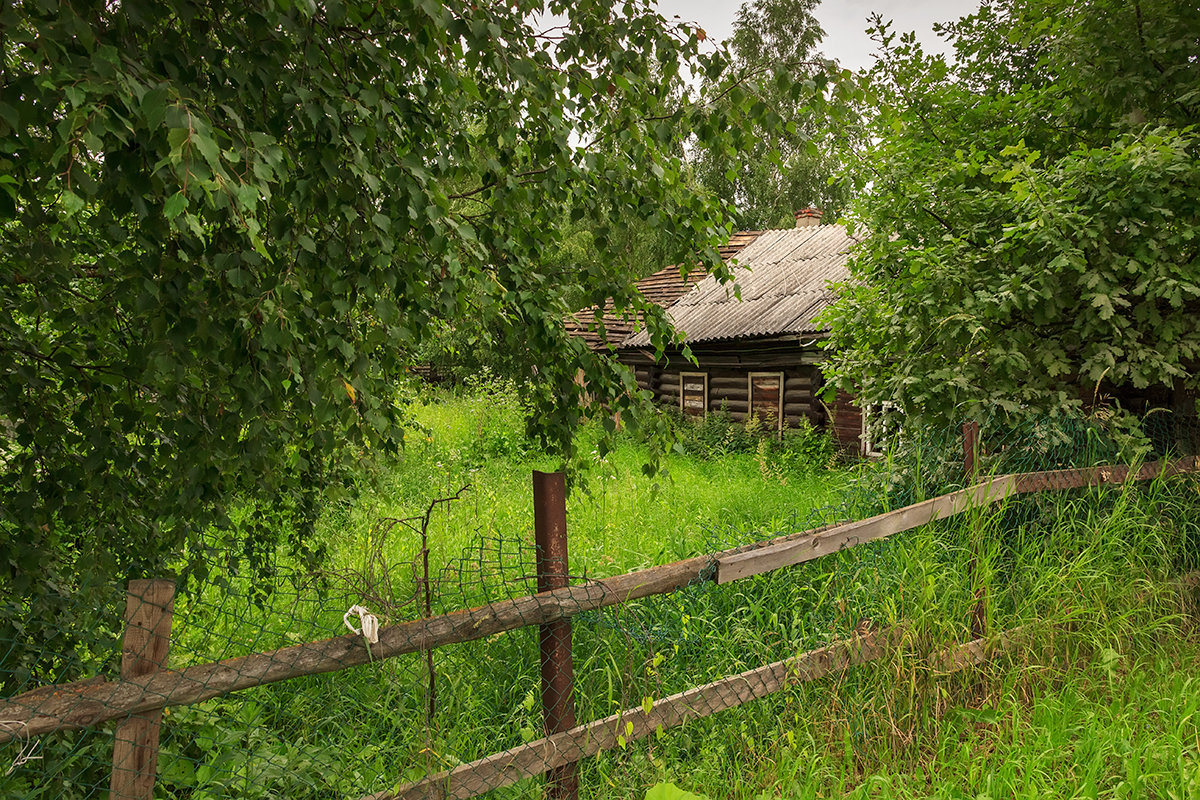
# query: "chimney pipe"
x,y
807,218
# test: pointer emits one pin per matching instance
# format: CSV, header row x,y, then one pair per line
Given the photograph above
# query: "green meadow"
x,y
1097,700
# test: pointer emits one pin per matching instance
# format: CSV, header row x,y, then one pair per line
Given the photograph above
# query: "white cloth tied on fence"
x,y
369,622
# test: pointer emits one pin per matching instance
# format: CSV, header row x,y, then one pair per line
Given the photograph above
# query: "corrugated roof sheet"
x,y
784,276
662,288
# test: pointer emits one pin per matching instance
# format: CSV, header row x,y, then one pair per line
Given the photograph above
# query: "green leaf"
x,y
175,205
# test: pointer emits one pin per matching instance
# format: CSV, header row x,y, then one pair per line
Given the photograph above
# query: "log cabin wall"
x,y
728,372
847,423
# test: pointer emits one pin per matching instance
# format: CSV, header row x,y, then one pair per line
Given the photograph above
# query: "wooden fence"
x,y
145,688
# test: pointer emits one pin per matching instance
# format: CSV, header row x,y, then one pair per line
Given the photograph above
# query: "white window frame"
x,y
869,448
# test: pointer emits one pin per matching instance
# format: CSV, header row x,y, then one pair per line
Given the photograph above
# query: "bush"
x,y
717,435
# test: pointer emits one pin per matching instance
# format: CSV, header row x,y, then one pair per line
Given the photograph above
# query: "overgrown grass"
x,y
1081,573
1098,700
618,519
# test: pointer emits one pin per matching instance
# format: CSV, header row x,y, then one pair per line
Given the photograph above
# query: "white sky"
x,y
844,21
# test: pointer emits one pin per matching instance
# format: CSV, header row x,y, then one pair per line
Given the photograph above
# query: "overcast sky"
x,y
844,21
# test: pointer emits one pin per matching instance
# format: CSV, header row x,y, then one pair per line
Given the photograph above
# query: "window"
x,y
766,399
693,393
877,428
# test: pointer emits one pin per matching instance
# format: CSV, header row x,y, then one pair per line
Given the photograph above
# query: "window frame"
x,y
778,375
683,378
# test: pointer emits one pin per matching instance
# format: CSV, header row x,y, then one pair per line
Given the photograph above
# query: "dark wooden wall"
x,y
847,423
729,369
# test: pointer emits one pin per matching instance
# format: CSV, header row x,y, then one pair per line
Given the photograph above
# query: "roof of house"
x,y
784,277
662,288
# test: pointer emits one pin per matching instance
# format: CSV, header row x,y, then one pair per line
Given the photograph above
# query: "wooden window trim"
x,y
750,396
683,376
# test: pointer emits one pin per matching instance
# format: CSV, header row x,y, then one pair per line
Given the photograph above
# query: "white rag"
x,y
369,622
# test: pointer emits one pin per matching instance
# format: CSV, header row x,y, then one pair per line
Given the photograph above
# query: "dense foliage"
x,y
1031,221
226,228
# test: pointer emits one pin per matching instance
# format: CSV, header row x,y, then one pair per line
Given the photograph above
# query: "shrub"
x,y
715,435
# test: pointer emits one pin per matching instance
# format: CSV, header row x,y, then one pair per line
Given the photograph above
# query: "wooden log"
x,y
558,668
148,611
797,408
503,769
791,395
881,526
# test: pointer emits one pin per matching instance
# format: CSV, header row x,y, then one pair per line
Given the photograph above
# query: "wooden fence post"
x,y
970,468
970,450
148,609
558,703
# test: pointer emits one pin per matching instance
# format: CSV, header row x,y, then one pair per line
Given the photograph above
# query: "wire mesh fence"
x,y
402,675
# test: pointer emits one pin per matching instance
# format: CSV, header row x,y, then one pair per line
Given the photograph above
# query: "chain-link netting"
x,y
368,714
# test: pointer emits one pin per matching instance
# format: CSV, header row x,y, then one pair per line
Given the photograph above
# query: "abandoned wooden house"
x,y
757,354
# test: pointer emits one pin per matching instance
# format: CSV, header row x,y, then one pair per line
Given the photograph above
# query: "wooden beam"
x,y
842,537
534,758
806,548
148,610
503,769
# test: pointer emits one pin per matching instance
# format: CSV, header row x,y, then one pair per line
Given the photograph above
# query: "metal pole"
x,y
558,704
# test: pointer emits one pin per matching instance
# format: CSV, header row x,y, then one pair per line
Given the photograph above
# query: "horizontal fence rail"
x,y
87,703
777,554
527,760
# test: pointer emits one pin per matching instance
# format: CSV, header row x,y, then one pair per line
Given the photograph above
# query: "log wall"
x,y
728,369
847,423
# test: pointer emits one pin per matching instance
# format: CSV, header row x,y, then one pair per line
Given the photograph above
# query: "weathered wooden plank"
x,y
1096,476
978,651
783,554
503,769
797,551
83,705
147,640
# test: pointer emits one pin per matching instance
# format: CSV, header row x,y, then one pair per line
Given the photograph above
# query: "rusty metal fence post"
x,y
558,703
149,606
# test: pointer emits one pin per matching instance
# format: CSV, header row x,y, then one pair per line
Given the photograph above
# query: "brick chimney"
x,y
808,218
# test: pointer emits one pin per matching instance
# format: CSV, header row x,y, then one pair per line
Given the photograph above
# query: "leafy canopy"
x,y
226,227
1031,221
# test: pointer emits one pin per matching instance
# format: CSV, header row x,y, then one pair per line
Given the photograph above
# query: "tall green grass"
x,y
1084,574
